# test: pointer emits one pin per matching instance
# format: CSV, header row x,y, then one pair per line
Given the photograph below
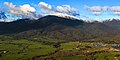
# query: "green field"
x,y
44,48
22,49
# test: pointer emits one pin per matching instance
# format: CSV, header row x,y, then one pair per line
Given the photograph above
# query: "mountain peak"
x,y
112,19
64,16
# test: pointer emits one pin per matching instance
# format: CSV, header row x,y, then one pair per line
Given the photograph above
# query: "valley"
x,y
57,38
59,30
44,48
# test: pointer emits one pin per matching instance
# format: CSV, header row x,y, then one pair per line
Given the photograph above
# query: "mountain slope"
x,y
115,23
57,27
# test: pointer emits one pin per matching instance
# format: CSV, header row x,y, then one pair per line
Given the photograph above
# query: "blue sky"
x,y
79,5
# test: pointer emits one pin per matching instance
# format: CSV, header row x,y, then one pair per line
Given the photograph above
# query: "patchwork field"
x,y
22,49
50,49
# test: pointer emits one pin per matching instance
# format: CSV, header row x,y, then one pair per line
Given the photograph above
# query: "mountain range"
x,y
60,28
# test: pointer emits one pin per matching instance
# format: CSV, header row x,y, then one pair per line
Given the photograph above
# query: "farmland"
x,y
22,49
38,49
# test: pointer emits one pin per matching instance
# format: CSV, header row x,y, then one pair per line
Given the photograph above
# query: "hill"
x,y
57,27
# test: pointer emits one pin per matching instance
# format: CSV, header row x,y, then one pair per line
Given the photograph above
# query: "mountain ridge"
x,y
58,28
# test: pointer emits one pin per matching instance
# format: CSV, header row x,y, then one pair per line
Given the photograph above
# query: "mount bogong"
x,y
60,28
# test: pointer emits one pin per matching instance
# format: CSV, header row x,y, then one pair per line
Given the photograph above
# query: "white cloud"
x,y
27,11
94,8
61,11
116,13
115,8
45,8
105,8
44,5
9,20
6,20
1,20
96,13
63,15
27,8
23,10
67,9
9,4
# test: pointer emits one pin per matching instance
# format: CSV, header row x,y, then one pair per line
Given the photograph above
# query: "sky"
x,y
83,9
